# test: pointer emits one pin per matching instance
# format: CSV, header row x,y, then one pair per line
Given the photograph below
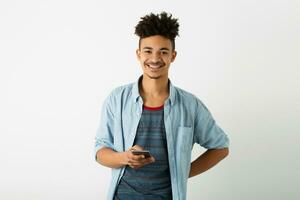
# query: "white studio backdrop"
x,y
60,59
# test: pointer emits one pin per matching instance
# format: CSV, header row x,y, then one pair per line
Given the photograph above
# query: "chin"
x,y
154,76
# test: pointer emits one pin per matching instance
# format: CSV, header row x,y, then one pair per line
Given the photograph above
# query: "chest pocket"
x,y
184,138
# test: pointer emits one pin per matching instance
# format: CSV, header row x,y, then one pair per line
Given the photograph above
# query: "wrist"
x,y
122,156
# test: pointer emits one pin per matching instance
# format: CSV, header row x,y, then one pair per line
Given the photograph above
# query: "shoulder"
x,y
184,94
187,97
190,101
121,89
120,92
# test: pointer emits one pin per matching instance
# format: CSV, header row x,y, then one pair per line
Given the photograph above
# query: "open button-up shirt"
x,y
187,121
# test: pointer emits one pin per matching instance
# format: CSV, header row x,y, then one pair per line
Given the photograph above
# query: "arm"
x,y
110,158
207,160
210,136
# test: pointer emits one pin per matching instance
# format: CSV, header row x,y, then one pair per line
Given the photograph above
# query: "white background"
x,y
59,59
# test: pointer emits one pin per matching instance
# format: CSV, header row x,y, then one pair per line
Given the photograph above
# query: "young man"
x,y
152,114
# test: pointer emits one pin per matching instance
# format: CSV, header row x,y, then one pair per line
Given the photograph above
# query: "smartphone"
x,y
146,153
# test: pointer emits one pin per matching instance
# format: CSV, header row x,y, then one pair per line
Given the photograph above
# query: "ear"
x,y
174,54
138,54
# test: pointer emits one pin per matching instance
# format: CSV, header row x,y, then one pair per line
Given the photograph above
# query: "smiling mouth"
x,y
154,66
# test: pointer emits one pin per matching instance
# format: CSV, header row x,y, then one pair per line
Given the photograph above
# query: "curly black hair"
x,y
160,24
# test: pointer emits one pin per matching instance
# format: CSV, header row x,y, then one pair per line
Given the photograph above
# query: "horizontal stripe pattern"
x,y
151,181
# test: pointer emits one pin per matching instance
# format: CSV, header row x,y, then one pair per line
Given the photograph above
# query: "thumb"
x,y
136,147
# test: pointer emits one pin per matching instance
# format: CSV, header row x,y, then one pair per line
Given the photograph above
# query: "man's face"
x,y
155,55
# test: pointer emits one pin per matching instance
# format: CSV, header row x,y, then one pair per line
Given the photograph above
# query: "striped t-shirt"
x,y
150,181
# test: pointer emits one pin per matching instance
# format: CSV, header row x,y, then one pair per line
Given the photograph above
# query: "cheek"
x,y
143,59
143,62
167,60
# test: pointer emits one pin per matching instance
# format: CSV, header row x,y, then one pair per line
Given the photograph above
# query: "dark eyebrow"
x,y
147,48
164,48
150,48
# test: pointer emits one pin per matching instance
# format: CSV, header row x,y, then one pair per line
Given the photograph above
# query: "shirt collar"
x,y
136,94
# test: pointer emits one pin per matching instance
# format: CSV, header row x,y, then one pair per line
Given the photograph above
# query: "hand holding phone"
x,y
137,157
146,153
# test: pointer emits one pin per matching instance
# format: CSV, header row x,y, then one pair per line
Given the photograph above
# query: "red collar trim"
x,y
153,108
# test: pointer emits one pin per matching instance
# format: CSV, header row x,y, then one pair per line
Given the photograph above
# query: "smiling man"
x,y
155,116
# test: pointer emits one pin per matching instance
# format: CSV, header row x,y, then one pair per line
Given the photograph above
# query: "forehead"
x,y
156,42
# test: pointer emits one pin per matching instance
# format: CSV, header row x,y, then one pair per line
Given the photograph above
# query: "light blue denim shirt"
x,y
187,121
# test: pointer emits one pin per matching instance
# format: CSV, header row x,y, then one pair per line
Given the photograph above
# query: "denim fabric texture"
x,y
187,121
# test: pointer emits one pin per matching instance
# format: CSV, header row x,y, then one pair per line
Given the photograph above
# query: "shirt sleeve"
x,y
206,131
104,134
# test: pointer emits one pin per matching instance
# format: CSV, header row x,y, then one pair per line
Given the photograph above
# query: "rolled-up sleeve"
x,y
206,131
104,134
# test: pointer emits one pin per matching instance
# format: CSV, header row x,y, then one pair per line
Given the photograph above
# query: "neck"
x,y
154,87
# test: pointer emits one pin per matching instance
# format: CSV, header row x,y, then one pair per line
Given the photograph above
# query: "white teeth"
x,y
154,66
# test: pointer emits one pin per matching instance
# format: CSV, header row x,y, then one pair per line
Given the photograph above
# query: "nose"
x,y
156,57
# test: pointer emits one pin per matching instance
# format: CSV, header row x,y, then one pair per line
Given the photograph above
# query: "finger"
x,y
137,147
135,165
152,159
142,162
138,164
149,160
134,162
137,157
131,156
